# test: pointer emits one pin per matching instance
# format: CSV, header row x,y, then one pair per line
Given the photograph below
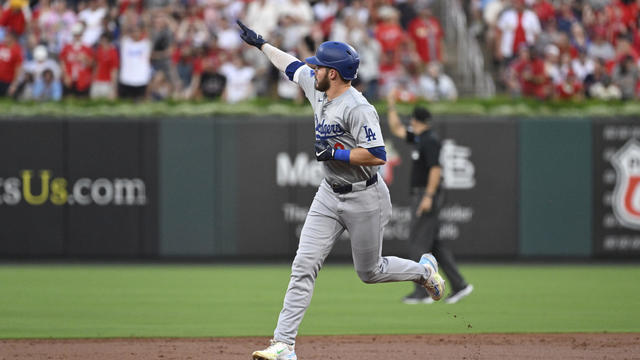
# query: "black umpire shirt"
x,y
425,156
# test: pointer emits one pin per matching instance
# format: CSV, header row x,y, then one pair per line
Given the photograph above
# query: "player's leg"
x,y
459,287
319,233
365,214
422,233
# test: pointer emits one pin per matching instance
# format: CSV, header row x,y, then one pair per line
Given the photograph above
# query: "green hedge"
x,y
494,106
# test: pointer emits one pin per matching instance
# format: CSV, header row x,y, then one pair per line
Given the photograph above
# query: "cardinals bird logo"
x,y
626,195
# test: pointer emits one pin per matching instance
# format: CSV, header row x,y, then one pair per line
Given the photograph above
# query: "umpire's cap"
x,y
421,114
339,56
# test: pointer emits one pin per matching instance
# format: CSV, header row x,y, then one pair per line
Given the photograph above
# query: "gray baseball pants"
x,y
364,214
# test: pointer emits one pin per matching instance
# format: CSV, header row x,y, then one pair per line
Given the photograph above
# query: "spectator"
x,y
570,88
427,36
55,24
513,76
588,18
598,84
582,65
41,61
625,76
389,33
516,26
552,64
192,28
624,49
534,75
47,88
390,72
296,18
325,12
600,48
544,10
105,78
135,64
15,16
358,11
212,82
187,60
239,77
93,17
31,72
262,17
370,51
436,85
23,88
579,39
228,38
130,16
407,88
162,39
10,62
566,17
77,65
160,87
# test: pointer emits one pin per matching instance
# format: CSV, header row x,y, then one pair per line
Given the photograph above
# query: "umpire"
x,y
427,198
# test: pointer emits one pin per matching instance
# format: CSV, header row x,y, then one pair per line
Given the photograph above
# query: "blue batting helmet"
x,y
339,56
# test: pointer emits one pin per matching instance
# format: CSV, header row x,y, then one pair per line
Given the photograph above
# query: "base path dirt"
x,y
388,347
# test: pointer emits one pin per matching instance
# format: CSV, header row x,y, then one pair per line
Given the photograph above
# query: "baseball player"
x,y
351,197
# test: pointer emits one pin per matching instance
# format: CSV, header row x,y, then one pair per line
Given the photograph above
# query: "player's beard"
x,y
323,85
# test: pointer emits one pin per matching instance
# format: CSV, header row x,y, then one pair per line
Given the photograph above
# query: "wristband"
x,y
342,155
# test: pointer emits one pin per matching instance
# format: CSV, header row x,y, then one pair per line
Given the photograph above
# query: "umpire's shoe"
x,y
434,283
276,351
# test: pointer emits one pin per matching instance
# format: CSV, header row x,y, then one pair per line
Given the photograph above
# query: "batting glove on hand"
x,y
250,37
324,151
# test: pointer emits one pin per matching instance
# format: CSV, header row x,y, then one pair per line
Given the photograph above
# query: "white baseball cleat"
x,y
434,283
276,351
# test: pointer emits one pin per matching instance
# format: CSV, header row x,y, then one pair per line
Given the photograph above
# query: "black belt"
x,y
343,189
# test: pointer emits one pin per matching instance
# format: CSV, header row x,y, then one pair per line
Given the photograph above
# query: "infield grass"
x,y
61,301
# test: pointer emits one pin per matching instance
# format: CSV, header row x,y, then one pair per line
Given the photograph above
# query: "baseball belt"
x,y
359,186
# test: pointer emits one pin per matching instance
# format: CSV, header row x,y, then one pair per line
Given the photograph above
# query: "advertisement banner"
x,y
480,174
112,188
616,208
78,188
480,169
32,158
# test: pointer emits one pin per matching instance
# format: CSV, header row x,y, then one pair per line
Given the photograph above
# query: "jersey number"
x,y
369,133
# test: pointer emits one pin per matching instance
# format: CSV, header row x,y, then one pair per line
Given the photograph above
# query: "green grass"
x,y
61,301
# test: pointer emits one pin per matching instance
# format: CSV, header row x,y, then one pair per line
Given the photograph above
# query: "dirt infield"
x,y
477,346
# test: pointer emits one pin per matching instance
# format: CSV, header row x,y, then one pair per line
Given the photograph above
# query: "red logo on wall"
x,y
626,195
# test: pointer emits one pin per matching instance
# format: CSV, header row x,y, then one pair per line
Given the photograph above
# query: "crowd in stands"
x,y
563,49
190,49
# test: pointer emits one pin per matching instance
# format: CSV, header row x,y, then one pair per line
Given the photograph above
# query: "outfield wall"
x,y
240,186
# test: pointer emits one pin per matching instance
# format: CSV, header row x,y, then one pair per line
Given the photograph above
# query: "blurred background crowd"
x,y
190,49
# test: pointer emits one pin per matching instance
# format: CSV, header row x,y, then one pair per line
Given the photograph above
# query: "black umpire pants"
x,y
423,238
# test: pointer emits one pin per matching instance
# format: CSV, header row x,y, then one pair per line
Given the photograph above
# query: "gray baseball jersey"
x,y
346,122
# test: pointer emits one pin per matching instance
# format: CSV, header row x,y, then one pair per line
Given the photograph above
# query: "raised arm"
x,y
280,59
397,129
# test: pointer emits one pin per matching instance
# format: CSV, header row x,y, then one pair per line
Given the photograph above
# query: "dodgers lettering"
x,y
327,131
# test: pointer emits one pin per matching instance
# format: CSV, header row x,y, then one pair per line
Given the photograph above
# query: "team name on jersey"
x,y
327,131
